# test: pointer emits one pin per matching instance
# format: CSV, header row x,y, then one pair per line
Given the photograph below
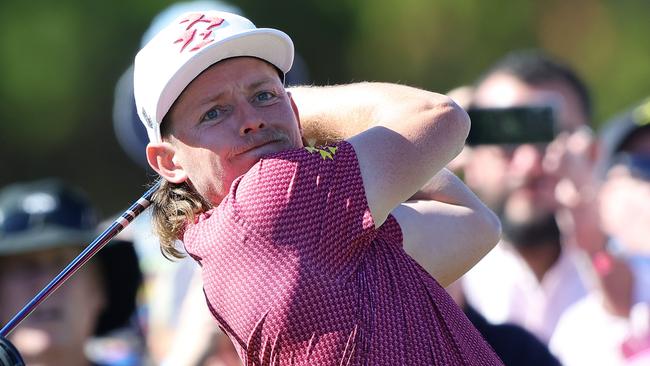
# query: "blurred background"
x,y
60,62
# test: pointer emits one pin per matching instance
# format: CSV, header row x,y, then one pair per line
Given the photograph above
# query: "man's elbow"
x,y
486,229
453,120
490,227
462,121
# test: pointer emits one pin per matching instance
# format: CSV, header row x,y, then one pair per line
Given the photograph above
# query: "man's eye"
x,y
212,114
264,96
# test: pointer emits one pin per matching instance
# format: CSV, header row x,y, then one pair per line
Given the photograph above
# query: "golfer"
x,y
304,249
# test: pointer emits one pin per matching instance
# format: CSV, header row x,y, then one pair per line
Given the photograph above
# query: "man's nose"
x,y
250,119
526,161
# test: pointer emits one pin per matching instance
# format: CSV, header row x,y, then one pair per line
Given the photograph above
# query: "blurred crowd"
x,y
570,268
568,284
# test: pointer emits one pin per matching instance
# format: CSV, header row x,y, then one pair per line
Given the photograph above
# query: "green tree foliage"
x,y
60,61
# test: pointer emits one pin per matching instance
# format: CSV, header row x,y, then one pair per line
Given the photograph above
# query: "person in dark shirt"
x,y
513,344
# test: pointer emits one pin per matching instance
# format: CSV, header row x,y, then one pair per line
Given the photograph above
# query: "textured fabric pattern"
x,y
296,274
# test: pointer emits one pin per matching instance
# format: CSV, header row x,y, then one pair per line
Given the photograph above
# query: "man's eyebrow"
x,y
252,86
210,99
258,83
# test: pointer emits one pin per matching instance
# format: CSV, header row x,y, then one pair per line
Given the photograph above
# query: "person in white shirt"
x,y
590,332
531,277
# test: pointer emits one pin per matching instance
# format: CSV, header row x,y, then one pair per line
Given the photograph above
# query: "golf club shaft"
x,y
120,223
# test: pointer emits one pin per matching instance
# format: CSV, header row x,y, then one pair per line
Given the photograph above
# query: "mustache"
x,y
258,139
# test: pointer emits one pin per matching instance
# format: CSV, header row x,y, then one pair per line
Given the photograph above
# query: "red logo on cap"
x,y
190,35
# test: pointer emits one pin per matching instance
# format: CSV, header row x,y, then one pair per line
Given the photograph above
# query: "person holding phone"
x,y
531,277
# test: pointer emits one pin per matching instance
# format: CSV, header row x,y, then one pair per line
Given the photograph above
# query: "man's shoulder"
x,y
299,188
310,152
277,169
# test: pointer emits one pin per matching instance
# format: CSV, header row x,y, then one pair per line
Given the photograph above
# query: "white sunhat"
x,y
189,45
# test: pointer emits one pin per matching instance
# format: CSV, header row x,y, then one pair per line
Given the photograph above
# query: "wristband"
x,y
603,262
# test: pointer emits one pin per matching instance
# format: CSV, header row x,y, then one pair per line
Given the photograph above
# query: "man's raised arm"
x,y
446,228
402,135
403,138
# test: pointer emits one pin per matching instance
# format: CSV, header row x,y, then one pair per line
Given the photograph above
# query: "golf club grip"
x,y
9,355
120,223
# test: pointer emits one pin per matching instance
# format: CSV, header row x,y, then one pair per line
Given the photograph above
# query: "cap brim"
x,y
271,45
46,239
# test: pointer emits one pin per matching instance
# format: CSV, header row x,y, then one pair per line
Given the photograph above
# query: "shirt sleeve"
x,y
306,195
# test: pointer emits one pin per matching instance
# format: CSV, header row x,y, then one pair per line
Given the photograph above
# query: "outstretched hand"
x,y
572,158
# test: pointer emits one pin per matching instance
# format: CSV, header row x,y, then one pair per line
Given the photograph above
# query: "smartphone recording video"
x,y
514,125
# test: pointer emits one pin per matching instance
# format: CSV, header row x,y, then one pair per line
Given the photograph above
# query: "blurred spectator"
x,y
627,146
530,278
513,344
43,227
591,332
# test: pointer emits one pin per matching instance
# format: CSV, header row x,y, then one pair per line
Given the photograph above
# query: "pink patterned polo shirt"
x,y
295,273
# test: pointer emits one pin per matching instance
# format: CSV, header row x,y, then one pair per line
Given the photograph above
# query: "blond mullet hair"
x,y
173,207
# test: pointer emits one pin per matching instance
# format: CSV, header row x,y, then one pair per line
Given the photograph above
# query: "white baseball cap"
x,y
189,45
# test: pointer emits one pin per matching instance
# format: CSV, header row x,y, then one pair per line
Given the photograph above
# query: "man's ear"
x,y
162,158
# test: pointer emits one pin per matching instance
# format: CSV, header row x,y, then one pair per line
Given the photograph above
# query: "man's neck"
x,y
540,258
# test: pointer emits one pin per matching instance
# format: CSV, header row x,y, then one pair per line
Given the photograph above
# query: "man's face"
x,y
57,329
513,178
230,116
624,198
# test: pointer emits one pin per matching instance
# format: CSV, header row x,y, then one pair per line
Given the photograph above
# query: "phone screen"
x,y
515,125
